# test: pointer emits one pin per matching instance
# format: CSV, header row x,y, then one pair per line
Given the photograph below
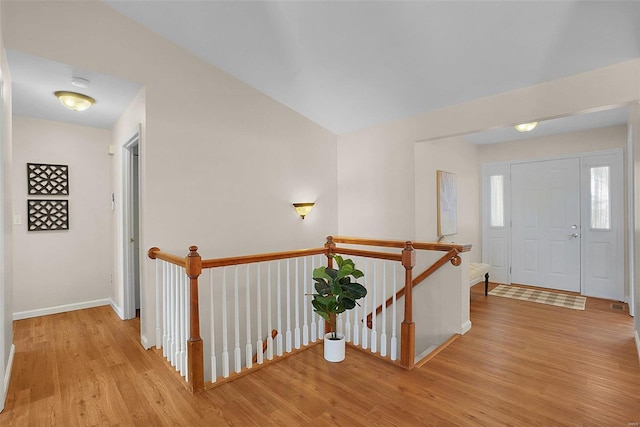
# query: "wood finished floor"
x,y
522,364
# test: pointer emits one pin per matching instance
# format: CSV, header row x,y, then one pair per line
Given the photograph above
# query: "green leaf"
x,y
357,274
321,273
324,300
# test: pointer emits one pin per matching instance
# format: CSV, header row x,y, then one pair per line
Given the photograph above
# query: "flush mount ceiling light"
x,y
74,101
526,127
303,209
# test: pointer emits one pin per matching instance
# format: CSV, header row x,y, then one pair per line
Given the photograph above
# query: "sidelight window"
x,y
600,198
496,217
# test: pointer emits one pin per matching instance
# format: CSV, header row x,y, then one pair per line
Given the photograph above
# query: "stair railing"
x,y
178,313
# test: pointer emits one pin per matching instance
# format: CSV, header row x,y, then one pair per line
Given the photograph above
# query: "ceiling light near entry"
x,y
75,101
526,127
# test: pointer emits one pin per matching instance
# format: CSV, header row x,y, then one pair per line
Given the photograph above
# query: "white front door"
x,y
545,237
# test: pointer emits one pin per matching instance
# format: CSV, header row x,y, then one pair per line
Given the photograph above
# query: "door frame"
x,y
128,233
505,169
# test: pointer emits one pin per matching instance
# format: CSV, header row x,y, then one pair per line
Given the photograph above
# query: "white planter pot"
x,y
334,348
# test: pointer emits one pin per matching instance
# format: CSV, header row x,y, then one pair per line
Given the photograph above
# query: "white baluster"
x,y
288,335
296,331
305,301
225,348
314,316
347,326
159,298
394,339
165,308
237,354
279,313
184,315
259,343
248,351
214,374
365,333
383,333
174,287
269,315
185,325
374,307
355,338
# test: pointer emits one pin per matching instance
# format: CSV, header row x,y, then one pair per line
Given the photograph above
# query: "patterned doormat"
x,y
575,302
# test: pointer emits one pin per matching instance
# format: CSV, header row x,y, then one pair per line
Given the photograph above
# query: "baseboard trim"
x,y
116,309
638,343
60,309
466,327
7,377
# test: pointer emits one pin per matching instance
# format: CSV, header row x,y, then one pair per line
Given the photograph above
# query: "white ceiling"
x,y
349,65
352,64
34,80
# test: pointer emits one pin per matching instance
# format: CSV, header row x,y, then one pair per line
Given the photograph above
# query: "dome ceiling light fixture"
x,y
526,127
74,101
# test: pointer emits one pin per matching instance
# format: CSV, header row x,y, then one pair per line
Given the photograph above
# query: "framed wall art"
x,y
447,203
47,215
47,180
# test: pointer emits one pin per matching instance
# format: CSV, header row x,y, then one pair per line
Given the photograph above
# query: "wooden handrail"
x,y
451,256
427,246
369,254
249,259
156,253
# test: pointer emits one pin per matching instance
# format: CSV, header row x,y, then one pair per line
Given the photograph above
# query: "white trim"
x,y
116,309
425,353
638,344
128,303
466,327
145,342
7,377
631,214
60,309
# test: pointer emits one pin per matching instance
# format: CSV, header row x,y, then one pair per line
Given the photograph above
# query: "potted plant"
x,y
336,292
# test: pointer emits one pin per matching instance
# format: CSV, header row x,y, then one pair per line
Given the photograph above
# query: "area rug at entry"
x,y
575,302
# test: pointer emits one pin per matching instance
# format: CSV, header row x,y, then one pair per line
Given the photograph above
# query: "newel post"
x,y
408,328
193,263
330,247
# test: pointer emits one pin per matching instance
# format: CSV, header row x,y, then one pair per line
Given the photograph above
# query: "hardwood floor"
x,y
522,364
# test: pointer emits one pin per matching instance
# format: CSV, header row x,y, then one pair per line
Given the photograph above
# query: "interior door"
x,y
545,238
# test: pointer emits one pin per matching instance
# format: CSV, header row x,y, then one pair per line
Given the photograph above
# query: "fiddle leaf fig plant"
x,y
337,290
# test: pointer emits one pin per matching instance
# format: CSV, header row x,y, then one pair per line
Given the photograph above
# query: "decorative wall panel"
x,y
45,215
47,180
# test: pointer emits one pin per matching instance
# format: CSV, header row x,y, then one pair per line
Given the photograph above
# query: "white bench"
x,y
477,273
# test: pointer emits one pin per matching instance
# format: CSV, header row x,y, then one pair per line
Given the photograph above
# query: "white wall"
x,y
555,145
221,162
460,157
63,268
6,269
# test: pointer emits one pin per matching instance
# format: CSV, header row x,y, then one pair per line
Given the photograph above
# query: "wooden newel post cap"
x,y
193,251
152,252
408,255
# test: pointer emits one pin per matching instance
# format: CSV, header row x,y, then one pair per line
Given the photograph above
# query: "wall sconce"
x,y
303,209
74,101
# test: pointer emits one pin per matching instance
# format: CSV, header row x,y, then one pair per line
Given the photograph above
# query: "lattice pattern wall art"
x,y
44,215
47,180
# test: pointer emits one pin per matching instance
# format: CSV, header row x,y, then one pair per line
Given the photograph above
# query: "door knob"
x,y
574,235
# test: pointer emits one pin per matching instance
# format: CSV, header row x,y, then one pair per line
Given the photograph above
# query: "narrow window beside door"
x,y
600,202
496,217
